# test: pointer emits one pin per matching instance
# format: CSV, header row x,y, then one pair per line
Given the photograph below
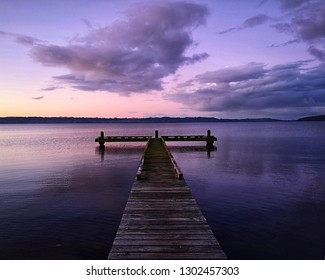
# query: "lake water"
x,y
262,189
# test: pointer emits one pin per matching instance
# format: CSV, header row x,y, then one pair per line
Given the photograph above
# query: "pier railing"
x,y
178,171
140,168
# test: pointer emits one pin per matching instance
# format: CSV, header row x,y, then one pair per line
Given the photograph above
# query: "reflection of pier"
x,y
162,219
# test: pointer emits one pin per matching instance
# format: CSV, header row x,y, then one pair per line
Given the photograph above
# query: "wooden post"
x,y
156,134
210,141
102,143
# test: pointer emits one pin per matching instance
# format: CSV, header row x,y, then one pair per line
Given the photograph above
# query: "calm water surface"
x,y
262,189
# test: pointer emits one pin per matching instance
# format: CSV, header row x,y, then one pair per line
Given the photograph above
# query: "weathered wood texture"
x,y
190,138
162,219
122,139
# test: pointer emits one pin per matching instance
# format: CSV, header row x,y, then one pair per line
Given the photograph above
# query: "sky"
x,y
133,58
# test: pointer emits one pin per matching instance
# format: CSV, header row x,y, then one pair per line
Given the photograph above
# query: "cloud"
x,y
304,20
130,55
38,98
261,3
290,42
292,4
27,40
310,24
233,74
51,88
319,54
87,23
306,23
21,39
256,89
248,23
255,20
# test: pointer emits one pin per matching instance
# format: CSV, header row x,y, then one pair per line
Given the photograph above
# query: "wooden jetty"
x,y
161,219
209,139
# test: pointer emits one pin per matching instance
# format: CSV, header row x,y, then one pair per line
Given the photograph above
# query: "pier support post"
x,y
102,143
210,141
156,134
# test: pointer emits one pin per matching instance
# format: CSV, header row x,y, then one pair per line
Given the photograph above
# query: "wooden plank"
x,y
122,139
190,138
207,248
153,242
165,256
161,219
175,237
160,232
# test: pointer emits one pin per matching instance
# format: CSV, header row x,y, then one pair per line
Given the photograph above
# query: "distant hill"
x,y
313,118
45,120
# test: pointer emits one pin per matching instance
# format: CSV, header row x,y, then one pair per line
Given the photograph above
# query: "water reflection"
x,y
70,213
125,150
262,191
193,148
263,194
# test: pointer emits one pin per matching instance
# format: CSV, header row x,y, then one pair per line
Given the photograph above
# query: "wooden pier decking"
x,y
162,219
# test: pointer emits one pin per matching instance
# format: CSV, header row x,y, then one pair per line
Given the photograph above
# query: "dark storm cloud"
x,y
248,23
255,88
130,55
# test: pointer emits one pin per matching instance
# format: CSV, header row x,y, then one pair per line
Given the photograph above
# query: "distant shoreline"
x,y
57,120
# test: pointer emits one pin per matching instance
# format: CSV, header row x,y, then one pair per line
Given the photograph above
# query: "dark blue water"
x,y
262,190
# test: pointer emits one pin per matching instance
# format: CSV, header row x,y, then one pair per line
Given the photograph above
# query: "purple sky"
x,y
227,59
